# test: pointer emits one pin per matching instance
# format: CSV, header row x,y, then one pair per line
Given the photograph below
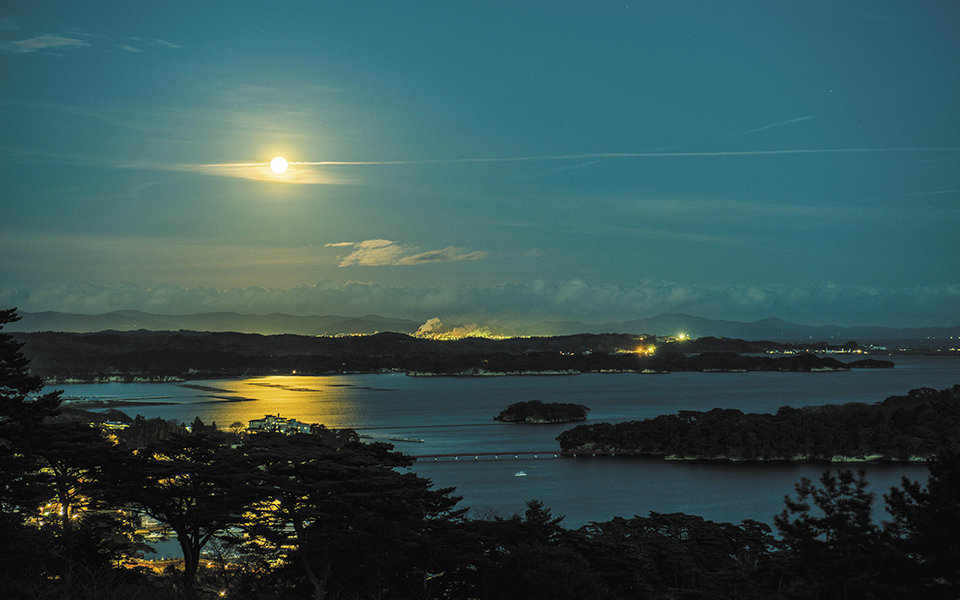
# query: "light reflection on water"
x,y
456,415
326,400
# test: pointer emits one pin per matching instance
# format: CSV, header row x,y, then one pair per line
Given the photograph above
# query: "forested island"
x,y
914,427
159,355
537,412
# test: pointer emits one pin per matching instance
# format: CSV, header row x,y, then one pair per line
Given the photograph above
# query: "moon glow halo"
x,y
279,165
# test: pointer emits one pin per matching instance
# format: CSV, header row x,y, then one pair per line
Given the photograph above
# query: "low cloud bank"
x,y
517,303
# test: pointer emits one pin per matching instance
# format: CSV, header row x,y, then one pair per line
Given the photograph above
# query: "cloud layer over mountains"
x,y
515,303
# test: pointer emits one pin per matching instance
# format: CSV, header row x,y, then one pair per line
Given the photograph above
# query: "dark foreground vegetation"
x,y
536,412
325,516
156,355
912,427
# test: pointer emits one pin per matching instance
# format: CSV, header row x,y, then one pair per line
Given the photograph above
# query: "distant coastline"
x,y
477,372
157,356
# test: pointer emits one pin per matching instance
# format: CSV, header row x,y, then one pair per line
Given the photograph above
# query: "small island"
x,y
871,363
537,412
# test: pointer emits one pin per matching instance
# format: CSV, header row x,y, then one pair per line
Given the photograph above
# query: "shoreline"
x,y
469,373
799,459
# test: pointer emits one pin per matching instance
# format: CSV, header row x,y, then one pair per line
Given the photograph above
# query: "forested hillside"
x,y
195,355
912,427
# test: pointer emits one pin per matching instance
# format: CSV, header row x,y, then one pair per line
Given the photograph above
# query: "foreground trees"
x,y
335,511
834,547
926,526
193,484
56,523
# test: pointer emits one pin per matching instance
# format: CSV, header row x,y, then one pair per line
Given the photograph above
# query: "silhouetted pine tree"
x,y
926,523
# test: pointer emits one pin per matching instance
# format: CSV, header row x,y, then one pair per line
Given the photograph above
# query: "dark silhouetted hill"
x,y
666,324
191,354
765,329
275,323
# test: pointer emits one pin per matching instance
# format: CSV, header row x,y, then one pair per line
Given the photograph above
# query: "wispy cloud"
x,y
555,170
261,171
139,45
626,155
732,208
306,171
72,40
448,254
775,125
339,172
932,193
379,253
40,43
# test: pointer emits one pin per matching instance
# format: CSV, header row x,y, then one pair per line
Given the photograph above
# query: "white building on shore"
x,y
278,424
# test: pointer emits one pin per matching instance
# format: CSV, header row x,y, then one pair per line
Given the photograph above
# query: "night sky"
x,y
484,161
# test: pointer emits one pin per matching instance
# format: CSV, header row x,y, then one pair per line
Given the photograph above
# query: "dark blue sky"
x,y
734,160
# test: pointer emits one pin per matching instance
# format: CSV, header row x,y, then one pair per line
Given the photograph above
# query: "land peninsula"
x,y
172,355
914,427
537,412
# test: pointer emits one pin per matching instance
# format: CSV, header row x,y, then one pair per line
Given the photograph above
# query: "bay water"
x,y
454,415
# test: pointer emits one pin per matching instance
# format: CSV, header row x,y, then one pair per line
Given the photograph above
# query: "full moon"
x,y
278,165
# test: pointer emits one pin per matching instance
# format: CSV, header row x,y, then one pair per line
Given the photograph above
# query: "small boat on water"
x,y
520,473
406,439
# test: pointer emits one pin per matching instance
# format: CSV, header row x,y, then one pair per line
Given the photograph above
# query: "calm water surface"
x,y
454,415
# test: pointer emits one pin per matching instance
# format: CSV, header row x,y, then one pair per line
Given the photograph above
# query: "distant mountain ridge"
x,y
278,323
766,329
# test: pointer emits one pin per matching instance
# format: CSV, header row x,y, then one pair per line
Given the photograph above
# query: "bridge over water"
x,y
508,455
